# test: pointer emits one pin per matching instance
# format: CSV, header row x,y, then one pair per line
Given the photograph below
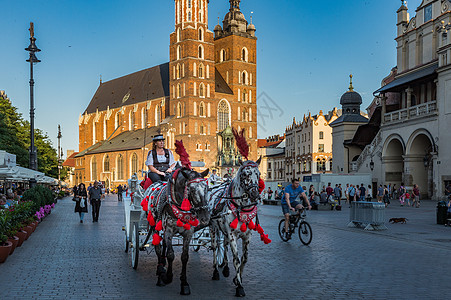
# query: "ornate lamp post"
x,y
60,155
32,60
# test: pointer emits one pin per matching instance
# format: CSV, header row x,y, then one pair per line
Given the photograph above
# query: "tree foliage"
x,y
15,139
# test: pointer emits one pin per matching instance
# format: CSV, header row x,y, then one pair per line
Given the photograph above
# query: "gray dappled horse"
x,y
168,216
233,206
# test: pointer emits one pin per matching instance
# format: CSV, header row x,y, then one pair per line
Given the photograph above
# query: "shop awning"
x,y
405,79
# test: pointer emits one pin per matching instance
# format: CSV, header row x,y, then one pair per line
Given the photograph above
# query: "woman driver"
x,y
159,160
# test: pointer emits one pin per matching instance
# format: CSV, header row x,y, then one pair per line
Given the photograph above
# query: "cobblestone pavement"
x,y
64,259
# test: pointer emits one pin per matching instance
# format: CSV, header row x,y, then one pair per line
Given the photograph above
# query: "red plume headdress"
x,y
241,142
184,156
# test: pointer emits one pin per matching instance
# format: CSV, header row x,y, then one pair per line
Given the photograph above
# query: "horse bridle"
x,y
185,194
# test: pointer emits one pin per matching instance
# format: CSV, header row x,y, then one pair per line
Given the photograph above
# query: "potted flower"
x,y
5,245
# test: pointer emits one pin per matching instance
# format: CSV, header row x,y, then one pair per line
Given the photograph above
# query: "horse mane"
x,y
241,142
184,156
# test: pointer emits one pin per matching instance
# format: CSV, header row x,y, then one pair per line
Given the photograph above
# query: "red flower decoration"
x,y
251,225
243,227
159,226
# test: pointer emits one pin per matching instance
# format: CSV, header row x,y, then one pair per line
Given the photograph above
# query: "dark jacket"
x,y
82,196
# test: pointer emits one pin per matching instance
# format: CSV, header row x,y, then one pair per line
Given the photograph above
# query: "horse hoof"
x,y
226,271
185,290
215,275
240,292
160,281
167,278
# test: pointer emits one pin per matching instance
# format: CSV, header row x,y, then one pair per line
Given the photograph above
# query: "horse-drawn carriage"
x,y
185,211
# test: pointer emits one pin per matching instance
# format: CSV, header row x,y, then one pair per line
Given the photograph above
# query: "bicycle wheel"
x,y
305,233
282,231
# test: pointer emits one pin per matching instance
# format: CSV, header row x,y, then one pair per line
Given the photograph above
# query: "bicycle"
x,y
297,220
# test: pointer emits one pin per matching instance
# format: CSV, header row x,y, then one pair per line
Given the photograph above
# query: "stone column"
x,y
384,108
409,100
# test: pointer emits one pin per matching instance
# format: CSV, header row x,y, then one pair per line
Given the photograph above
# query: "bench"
x,y
324,206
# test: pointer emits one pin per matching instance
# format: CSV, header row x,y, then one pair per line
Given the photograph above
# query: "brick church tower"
x,y
192,81
236,60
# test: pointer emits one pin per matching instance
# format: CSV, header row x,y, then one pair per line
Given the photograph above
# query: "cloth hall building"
x,y
208,85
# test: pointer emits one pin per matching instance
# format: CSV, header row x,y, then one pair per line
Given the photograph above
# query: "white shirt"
x,y
160,158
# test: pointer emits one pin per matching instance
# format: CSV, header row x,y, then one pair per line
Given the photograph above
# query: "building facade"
x,y
208,85
412,145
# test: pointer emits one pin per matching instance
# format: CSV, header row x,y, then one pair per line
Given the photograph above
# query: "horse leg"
x,y
226,269
245,252
167,277
214,246
161,263
237,265
185,289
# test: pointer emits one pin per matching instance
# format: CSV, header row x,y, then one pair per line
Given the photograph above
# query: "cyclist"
x,y
289,202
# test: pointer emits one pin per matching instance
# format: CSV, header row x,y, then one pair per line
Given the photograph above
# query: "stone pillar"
x,y
384,108
409,100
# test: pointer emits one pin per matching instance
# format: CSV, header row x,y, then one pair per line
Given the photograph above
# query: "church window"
x,y
93,169
250,132
120,167
244,96
195,108
320,148
198,146
179,110
189,16
131,120
207,146
189,3
201,34
157,115
223,115
244,54
207,71
179,90
143,118
223,56
330,164
104,127
250,114
428,13
194,69
201,71
201,52
195,127
106,163
178,71
134,164
179,34
244,77
202,129
117,120
202,90
202,109
93,132
321,135
179,52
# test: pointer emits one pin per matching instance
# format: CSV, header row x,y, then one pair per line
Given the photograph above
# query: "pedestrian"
x,y
448,215
386,196
347,192
74,190
329,191
394,192
402,194
270,192
362,192
119,193
369,194
352,194
81,203
337,194
380,193
95,195
416,196
357,193
89,187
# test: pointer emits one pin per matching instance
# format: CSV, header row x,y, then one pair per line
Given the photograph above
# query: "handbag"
x,y
82,203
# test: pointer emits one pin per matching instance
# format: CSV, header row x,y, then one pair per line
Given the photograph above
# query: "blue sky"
x,y
306,51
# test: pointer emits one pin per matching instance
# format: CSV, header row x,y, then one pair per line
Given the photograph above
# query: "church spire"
x,y
234,5
351,88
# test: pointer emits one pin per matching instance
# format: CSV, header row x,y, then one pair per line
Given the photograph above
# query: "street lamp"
x,y
32,48
32,60
371,164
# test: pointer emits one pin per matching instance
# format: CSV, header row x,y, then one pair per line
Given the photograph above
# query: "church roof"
x,y
152,83
350,118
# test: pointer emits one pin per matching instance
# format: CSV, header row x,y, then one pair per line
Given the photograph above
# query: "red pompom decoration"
x,y
265,239
151,205
243,227
145,204
262,237
147,197
165,183
234,224
261,185
194,222
158,189
186,226
156,239
153,189
152,197
159,226
260,229
151,219
186,206
251,225
179,223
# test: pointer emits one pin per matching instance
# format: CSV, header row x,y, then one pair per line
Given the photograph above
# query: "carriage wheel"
x,y
134,247
305,233
220,251
282,231
127,242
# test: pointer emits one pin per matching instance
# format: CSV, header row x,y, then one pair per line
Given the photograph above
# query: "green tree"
x,y
15,139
